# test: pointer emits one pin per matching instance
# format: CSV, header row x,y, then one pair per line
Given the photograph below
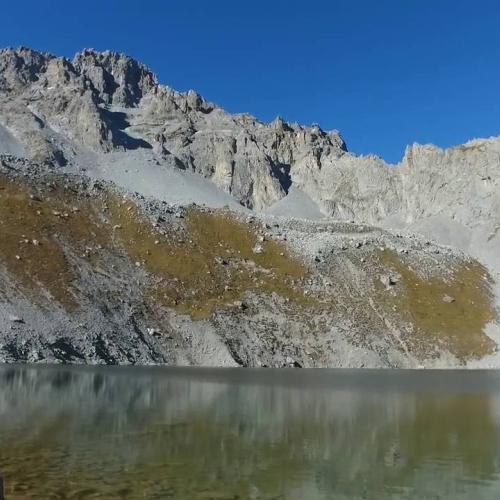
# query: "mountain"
x,y
170,231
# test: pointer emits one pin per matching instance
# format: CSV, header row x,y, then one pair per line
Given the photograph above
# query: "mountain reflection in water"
x,y
176,433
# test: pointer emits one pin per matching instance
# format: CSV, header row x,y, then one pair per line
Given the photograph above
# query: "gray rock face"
x,y
101,102
429,181
58,111
49,107
118,79
106,101
20,68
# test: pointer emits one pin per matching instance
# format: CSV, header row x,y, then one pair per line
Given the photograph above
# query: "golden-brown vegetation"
x,y
34,233
458,324
210,264
205,265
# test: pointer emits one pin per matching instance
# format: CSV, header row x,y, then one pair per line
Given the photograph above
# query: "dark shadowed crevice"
x,y
117,122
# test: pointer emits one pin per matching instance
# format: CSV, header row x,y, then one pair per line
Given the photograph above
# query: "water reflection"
x,y
256,434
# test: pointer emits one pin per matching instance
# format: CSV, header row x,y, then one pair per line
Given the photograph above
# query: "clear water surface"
x,y
178,433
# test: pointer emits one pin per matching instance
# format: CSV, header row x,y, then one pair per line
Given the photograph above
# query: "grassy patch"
x,y
457,325
35,232
209,263
203,264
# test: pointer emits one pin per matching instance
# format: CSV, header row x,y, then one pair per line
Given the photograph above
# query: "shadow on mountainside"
x,y
117,122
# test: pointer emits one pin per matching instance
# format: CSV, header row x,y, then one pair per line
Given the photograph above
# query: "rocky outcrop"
x,y
428,181
118,79
50,108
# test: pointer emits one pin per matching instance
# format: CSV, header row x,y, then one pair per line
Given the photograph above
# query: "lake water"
x,y
180,433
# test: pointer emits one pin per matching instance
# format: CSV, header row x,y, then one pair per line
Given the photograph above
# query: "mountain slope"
x,y
250,286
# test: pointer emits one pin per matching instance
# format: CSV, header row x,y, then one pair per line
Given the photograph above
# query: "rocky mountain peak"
x,y
20,67
57,111
279,124
120,79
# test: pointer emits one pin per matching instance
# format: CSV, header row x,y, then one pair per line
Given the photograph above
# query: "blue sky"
x,y
385,73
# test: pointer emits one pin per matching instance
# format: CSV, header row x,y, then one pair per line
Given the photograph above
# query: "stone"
x,y
153,332
258,248
15,319
388,280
